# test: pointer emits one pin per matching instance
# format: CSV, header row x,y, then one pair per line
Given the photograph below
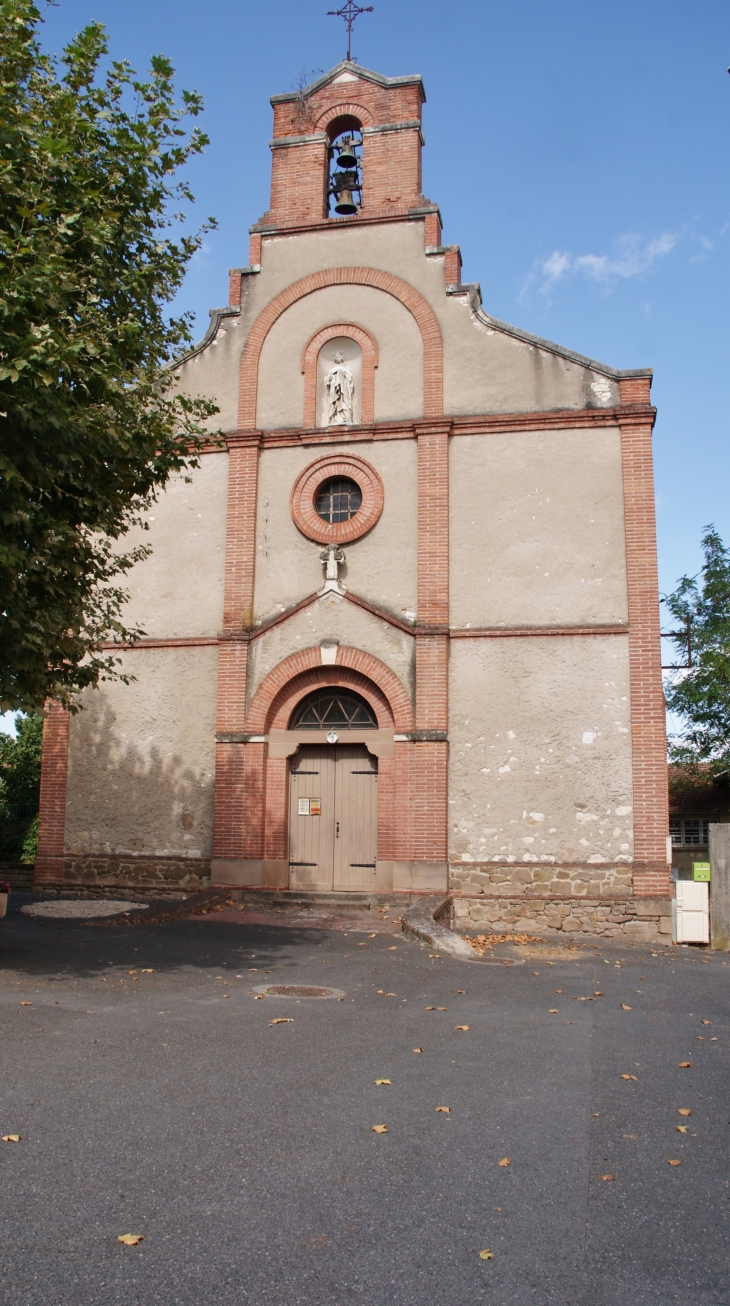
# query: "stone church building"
x,y
402,625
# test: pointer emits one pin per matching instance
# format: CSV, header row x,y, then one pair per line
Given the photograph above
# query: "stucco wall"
x,y
486,370
333,618
381,567
537,529
540,750
398,377
142,758
178,591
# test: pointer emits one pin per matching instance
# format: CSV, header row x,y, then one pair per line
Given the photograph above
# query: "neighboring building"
x,y
429,534
695,799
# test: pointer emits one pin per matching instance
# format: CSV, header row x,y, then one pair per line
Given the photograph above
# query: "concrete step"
x,y
296,898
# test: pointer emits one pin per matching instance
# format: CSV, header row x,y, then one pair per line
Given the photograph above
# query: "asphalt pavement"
x,y
154,1096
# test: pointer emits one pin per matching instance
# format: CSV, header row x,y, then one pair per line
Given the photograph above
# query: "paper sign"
x,y
303,807
315,807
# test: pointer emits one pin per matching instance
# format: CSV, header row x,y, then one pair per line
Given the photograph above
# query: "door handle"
x,y
337,830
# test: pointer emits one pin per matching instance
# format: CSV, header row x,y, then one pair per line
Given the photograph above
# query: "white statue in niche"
x,y
339,389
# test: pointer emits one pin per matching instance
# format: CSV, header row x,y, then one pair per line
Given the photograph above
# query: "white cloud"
x,y
633,257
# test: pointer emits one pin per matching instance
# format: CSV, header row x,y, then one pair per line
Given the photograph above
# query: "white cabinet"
x,y
691,912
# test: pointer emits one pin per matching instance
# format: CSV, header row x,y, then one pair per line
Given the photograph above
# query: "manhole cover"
x,y
297,991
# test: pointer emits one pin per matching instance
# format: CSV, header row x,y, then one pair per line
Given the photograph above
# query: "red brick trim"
x,y
310,357
300,672
635,390
305,490
648,729
52,805
530,632
480,424
344,110
391,285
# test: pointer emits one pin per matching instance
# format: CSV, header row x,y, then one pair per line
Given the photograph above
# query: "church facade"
x,y
402,624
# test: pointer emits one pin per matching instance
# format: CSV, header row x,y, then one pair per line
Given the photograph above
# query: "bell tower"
x,y
347,149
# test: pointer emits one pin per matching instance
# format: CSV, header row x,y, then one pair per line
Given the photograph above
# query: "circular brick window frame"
x,y
310,481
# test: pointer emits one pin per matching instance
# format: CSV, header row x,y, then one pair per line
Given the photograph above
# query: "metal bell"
x,y
345,203
347,157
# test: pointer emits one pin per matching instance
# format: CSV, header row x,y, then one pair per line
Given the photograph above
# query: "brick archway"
x,y
279,692
369,348
407,295
254,807
343,111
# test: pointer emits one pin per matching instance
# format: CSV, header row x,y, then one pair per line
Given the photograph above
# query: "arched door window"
x,y
327,708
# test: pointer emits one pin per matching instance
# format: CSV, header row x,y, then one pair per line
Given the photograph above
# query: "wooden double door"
x,y
333,818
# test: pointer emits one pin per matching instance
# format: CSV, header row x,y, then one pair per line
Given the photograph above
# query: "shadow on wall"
x,y
123,799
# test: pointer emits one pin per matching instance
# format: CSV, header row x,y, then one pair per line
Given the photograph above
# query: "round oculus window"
x,y
338,499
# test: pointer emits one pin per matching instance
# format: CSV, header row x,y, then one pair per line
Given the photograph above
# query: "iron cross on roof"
x,y
349,12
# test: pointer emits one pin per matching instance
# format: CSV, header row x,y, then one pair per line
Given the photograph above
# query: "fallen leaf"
x,y
461,1026
706,1022
624,1007
684,1065
380,1129
381,991
597,993
393,947
496,1208
390,995
558,990
362,945
226,995
486,1255
26,1004
282,1020
149,971
504,1162
253,970
133,972
130,1239
442,1008
630,1077
11,1138
607,1178
446,1110
259,997
681,1129
372,936
714,1040
553,1011
461,990
674,1162
418,1049
381,1081
429,1008
683,1111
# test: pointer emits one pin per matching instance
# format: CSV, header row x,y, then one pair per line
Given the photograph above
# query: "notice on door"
x,y
315,807
303,809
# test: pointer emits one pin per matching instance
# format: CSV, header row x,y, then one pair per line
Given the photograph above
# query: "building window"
x,y
338,499
689,832
326,708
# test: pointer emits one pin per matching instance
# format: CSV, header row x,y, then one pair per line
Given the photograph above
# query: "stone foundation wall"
x,y
158,873
643,920
500,879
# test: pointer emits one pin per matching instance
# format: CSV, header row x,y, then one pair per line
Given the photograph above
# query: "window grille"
x,y
338,500
689,832
326,708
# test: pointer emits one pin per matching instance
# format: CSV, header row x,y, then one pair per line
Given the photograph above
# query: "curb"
x,y
190,907
421,922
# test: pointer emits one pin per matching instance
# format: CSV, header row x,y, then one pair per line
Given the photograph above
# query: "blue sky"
x,y
579,155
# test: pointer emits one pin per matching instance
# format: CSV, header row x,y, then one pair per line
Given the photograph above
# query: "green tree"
x,y
20,780
90,425
700,692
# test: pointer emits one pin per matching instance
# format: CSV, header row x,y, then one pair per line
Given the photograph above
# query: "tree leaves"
x,y
130,1239
91,426
700,689
380,1129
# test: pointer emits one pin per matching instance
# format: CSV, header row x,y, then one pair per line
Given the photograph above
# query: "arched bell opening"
x,y
344,186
